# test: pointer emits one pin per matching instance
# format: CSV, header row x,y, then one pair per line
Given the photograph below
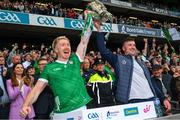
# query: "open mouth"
x,y
66,52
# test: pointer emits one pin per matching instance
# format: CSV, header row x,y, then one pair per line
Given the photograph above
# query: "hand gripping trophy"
x,y
97,11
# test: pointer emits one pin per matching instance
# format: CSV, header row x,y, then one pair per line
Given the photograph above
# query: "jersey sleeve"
x,y
75,58
79,57
44,75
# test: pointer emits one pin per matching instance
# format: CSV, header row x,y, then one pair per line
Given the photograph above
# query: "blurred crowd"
x,y
134,21
59,11
41,8
154,4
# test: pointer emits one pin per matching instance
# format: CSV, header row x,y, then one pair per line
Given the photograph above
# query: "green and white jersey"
x,y
67,84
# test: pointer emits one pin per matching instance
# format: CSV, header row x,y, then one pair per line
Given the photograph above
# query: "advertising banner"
x,y
143,110
79,24
46,21
126,29
159,10
141,6
134,111
14,17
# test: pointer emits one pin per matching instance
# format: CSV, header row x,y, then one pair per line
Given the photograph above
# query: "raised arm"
x,y
81,49
105,53
154,44
85,35
32,97
145,46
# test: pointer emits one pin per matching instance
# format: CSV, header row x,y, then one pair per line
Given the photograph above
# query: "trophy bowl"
x,y
99,11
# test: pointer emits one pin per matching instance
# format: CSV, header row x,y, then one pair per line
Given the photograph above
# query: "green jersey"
x,y
67,84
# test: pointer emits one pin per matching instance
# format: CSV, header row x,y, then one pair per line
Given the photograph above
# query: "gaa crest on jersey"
x,y
70,62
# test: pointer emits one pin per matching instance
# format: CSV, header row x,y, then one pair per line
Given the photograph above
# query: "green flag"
x,y
167,34
168,37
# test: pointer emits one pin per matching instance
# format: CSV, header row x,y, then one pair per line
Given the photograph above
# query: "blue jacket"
x,y
123,66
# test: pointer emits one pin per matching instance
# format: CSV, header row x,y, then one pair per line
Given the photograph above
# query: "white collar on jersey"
x,y
63,62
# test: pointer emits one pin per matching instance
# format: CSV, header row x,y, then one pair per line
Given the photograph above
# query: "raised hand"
x,y
97,25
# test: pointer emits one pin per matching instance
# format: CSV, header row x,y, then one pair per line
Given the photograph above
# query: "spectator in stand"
x,y
157,77
21,7
28,60
35,57
30,73
11,54
174,60
4,99
147,25
60,12
102,86
52,10
175,86
130,71
56,12
18,89
79,15
148,65
45,102
71,13
157,60
115,20
167,78
165,55
5,53
172,70
34,9
65,12
15,59
86,70
24,49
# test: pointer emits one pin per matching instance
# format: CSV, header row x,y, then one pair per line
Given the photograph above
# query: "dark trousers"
x,y
134,101
42,116
4,111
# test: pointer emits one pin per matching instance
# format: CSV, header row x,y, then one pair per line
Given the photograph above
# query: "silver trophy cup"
x,y
99,11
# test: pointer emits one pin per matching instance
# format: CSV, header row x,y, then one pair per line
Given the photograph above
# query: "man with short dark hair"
x,y
133,83
157,78
45,102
